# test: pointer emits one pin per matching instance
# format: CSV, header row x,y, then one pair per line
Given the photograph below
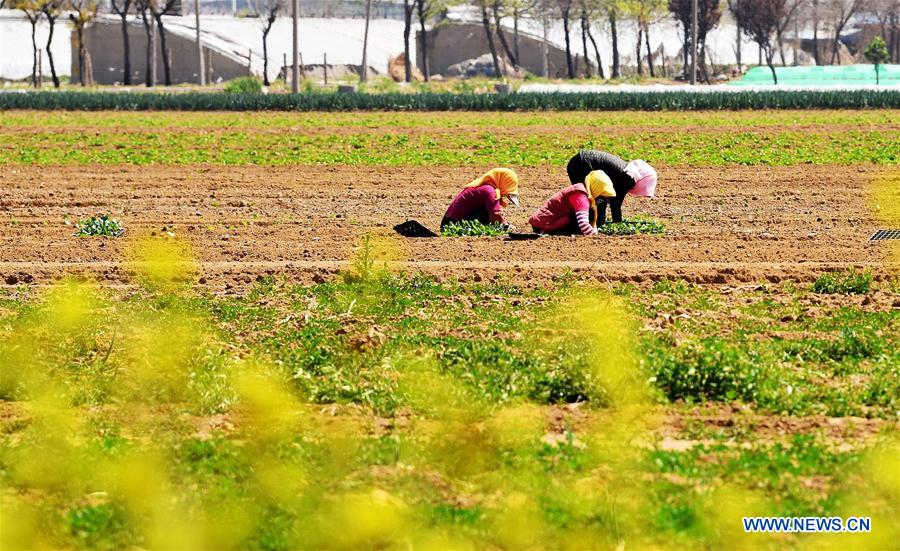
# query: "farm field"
x,y
259,359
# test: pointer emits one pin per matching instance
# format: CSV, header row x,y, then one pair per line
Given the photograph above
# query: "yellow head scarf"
x,y
504,180
598,184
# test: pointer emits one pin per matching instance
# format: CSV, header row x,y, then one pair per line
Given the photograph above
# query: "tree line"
x,y
586,25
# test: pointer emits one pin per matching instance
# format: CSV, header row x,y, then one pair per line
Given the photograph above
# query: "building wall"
x,y
453,43
103,41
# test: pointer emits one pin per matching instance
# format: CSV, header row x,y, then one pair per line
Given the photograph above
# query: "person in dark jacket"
x,y
632,178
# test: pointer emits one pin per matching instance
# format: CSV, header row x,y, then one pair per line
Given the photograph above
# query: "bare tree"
x,y
121,8
408,7
498,10
81,13
364,66
792,10
646,12
33,11
587,14
565,10
585,25
52,10
887,13
759,20
429,10
159,8
612,11
841,12
267,11
737,41
708,15
143,6
484,6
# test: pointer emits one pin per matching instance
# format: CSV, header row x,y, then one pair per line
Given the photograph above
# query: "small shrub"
x,y
631,226
469,228
851,283
99,225
709,369
244,85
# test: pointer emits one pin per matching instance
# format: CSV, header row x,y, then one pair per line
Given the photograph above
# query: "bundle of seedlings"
x,y
473,228
101,225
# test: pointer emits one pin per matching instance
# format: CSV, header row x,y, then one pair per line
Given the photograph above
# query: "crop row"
x,y
453,147
482,120
650,101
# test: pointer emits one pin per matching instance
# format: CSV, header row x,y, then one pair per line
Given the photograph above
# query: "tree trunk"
x,y
545,49
167,70
266,56
702,66
770,58
893,42
407,27
426,71
516,32
615,45
486,23
148,28
835,46
780,40
640,38
52,23
81,68
509,53
596,52
687,46
364,66
815,19
584,46
649,51
565,19
34,50
737,49
126,47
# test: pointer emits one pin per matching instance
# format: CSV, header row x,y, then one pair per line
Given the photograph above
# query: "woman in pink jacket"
x,y
573,210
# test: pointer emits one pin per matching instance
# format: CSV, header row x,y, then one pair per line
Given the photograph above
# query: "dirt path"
x,y
725,224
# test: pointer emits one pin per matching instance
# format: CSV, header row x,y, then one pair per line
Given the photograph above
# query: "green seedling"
x,y
101,225
631,226
473,228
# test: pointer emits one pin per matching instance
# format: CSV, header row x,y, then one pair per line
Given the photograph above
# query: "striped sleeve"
x,y
584,223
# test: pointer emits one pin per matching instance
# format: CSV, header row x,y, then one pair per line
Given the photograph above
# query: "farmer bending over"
x,y
484,198
572,210
633,178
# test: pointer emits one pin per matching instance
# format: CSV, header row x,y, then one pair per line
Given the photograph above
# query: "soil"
x,y
725,225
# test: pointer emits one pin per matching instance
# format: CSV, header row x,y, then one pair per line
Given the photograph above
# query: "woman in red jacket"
x,y
484,198
573,210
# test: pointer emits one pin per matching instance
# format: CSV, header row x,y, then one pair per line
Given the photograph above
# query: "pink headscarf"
x,y
644,178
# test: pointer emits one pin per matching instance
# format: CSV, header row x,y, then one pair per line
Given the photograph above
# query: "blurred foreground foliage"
x,y
380,411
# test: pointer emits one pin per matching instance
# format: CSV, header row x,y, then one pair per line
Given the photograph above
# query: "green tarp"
x,y
818,75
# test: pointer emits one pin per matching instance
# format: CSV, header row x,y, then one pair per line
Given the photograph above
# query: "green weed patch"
x,y
640,224
850,283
